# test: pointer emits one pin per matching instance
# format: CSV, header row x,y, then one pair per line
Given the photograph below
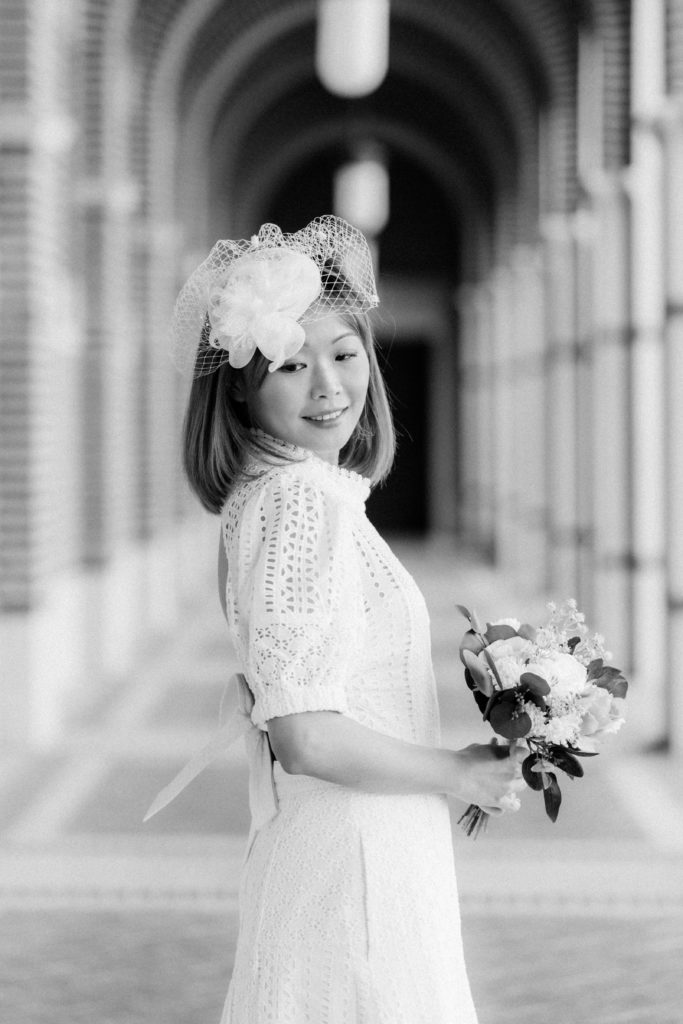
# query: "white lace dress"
x,y
348,901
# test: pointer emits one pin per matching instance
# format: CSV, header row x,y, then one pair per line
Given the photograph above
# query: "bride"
x,y
348,899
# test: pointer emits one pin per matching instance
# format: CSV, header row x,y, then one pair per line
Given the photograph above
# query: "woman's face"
x,y
315,399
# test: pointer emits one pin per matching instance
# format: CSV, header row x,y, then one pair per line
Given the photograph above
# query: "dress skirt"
x,y
349,913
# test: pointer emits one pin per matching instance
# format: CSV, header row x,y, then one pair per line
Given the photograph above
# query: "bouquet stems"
x,y
474,821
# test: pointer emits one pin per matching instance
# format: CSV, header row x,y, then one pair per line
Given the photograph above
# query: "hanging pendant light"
x,y
361,190
352,46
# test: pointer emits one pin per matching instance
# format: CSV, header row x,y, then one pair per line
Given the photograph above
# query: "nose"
x,y
325,381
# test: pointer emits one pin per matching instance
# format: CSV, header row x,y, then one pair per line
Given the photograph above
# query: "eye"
x,y
346,355
291,367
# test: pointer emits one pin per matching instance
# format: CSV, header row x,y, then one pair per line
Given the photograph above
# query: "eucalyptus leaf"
x,y
594,669
461,608
537,684
617,686
552,796
530,774
508,721
501,632
561,757
471,642
482,679
476,623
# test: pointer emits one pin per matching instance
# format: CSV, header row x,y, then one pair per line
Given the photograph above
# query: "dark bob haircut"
x,y
218,439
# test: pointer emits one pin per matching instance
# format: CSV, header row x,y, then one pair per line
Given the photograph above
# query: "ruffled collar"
x,y
352,483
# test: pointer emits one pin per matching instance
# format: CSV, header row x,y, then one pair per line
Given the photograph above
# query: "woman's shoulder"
x,y
301,478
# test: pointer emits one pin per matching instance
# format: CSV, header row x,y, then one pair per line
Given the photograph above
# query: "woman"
x,y
348,900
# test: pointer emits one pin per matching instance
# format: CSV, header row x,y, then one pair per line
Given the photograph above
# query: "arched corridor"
x,y
531,331
529,275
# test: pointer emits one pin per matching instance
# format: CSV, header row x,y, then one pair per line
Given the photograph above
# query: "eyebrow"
x,y
346,334
340,337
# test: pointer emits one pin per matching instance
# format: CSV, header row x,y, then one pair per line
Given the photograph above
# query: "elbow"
x,y
297,744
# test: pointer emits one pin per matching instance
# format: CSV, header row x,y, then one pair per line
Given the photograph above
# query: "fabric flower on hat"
x,y
259,304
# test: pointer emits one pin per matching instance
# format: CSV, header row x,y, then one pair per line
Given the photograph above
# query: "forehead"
x,y
328,330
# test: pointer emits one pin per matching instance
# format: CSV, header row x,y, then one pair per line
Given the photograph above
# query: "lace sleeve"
x,y
305,608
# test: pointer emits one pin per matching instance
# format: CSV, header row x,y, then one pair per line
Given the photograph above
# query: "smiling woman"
x,y
315,399
349,907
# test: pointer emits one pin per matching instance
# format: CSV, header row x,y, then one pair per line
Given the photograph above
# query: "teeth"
x,y
327,416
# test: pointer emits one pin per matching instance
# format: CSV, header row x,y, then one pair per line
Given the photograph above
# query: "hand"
x,y
490,776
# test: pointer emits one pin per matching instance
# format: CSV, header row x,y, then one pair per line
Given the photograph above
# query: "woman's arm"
x,y
334,747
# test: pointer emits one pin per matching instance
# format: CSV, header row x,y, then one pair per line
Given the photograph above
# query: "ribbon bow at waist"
x,y
263,802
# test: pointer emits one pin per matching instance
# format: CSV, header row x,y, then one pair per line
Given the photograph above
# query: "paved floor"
x,y
106,920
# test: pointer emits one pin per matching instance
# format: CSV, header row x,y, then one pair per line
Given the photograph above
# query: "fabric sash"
x,y
263,801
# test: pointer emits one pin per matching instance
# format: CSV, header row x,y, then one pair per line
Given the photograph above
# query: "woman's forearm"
x,y
333,747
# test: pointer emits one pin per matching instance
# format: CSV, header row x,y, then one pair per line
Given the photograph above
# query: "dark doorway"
x,y
400,505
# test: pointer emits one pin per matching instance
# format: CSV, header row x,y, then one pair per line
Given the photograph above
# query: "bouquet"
x,y
547,688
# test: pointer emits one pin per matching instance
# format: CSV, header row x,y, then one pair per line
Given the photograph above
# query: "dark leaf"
x,y
508,721
607,677
471,642
584,753
480,698
465,612
532,779
618,687
537,684
527,632
503,632
533,698
551,795
561,757
482,680
594,669
573,642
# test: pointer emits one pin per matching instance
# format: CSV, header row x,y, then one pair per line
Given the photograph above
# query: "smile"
x,y
326,416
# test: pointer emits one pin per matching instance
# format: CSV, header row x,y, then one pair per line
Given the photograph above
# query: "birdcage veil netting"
x,y
256,292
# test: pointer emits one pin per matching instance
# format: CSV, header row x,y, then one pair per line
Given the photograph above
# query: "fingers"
x,y
499,750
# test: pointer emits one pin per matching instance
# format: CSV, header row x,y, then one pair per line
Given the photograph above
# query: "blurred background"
x,y
517,165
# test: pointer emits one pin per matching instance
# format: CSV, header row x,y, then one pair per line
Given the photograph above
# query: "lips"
x,y
326,417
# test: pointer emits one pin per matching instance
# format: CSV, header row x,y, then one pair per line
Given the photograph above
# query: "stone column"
x,y
502,412
612,557
486,418
469,440
40,361
674,416
527,366
561,411
648,493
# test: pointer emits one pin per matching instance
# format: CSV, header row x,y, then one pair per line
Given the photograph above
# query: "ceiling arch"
x,y
203,58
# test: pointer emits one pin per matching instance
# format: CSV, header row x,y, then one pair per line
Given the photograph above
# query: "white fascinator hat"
x,y
259,292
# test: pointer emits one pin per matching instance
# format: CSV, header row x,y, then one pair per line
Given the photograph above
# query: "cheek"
x,y
361,376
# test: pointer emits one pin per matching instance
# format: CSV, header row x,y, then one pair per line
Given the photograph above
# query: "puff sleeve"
x,y
298,602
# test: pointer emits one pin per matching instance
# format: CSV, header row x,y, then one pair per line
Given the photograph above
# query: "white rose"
x,y
510,658
564,674
601,712
509,670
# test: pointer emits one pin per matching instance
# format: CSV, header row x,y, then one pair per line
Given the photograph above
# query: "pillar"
x,y
612,558
648,492
561,410
674,417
